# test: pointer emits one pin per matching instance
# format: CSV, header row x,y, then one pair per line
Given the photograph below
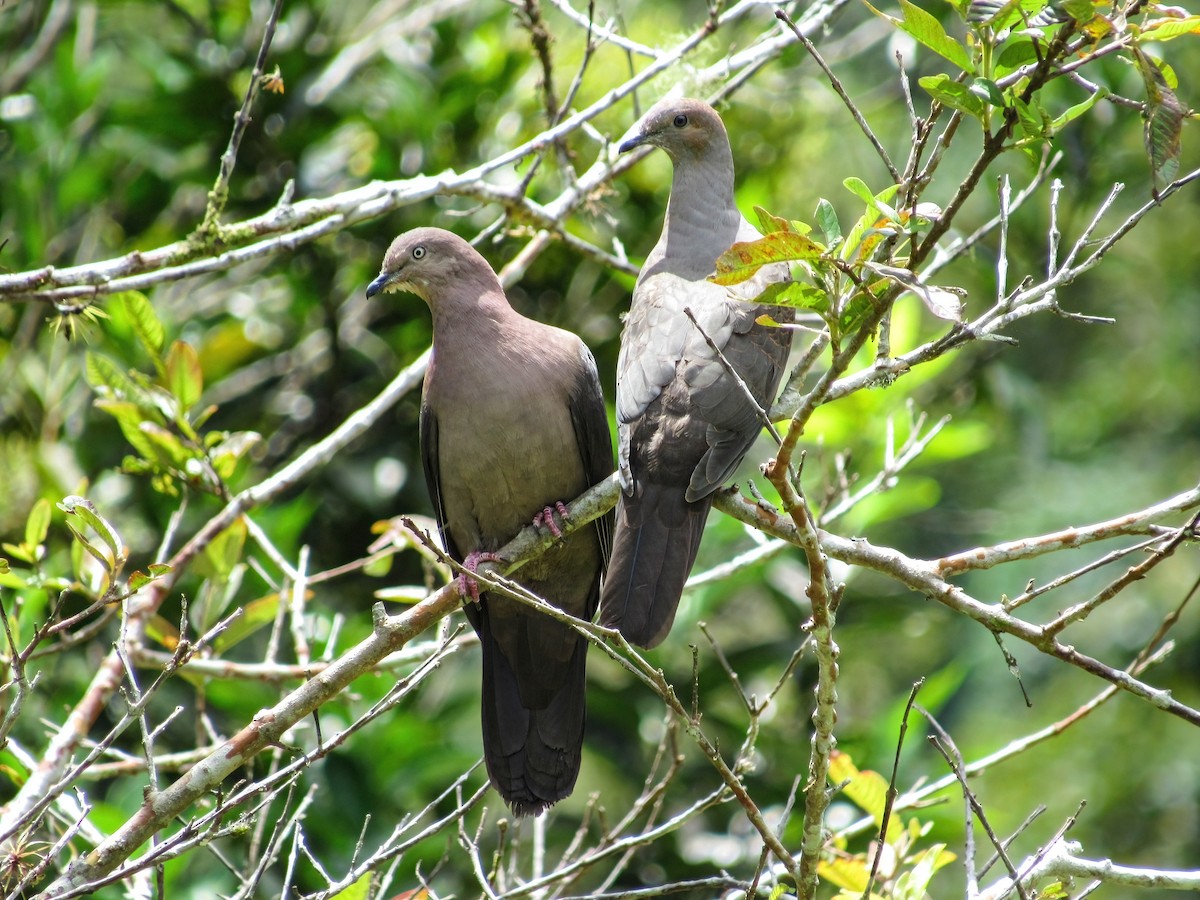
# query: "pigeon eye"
x,y
418,252
680,120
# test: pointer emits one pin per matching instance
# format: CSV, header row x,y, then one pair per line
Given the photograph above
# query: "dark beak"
x,y
378,284
635,141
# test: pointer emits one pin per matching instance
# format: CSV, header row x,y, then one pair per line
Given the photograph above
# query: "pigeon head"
x,y
429,262
684,128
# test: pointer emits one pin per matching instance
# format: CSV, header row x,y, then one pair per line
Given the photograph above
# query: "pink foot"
x,y
467,585
545,519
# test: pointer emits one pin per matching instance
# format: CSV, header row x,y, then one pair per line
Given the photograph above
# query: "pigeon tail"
x,y
654,545
532,755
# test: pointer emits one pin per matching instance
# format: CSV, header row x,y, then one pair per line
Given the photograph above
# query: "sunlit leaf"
x,y
145,324
827,221
794,294
102,372
37,525
105,560
161,630
225,550
1015,54
184,376
850,873
867,789
741,261
166,446
255,615
231,448
1078,110
988,90
913,884
928,31
139,579
768,222
87,513
948,92
1168,29
1082,11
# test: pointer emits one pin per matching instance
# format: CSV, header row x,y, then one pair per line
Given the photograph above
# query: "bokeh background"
x,y
110,144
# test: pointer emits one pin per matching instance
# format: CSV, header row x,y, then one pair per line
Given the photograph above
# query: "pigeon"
x,y
512,425
684,422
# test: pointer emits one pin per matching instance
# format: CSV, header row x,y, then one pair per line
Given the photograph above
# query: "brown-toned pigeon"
x,y
512,424
684,423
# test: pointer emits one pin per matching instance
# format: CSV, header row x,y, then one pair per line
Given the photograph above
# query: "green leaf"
x,y
255,615
1168,29
1164,122
741,261
914,883
361,890
768,222
998,14
1082,11
230,449
1077,110
145,323
154,571
929,31
103,372
37,526
1014,55
794,294
859,189
1032,120
989,91
184,376
166,448
827,221
130,417
87,513
99,555
19,552
948,92
225,550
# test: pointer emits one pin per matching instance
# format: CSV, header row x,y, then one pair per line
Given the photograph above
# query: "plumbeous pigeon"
x,y
683,422
512,423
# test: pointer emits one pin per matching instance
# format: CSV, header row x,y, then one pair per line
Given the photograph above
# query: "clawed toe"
x,y
545,519
467,585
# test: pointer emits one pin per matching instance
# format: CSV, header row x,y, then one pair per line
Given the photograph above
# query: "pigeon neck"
x,y
701,203
471,305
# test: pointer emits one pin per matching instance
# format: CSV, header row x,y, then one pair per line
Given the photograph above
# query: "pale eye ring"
x,y
680,120
418,253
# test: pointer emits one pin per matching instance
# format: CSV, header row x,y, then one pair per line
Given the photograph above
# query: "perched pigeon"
x,y
684,423
512,424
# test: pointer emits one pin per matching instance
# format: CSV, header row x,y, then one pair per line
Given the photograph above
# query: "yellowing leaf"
x,y
741,261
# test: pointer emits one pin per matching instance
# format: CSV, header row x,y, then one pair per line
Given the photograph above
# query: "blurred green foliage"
x,y
111,143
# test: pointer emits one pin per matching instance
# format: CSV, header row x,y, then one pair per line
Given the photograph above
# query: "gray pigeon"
x,y
512,424
684,423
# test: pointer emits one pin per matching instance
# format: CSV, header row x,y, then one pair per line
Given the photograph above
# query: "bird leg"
x,y
545,519
467,585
